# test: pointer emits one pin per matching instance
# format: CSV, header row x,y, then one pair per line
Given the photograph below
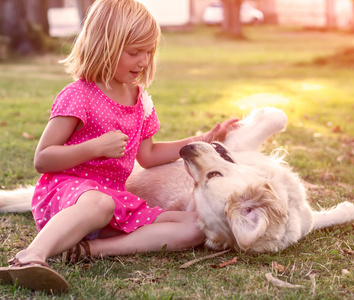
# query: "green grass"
x,y
203,79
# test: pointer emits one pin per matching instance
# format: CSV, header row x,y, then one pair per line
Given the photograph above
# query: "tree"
x,y
37,13
352,23
268,7
231,24
330,14
24,22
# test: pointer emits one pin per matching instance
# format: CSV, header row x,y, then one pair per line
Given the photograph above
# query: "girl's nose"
x,y
144,61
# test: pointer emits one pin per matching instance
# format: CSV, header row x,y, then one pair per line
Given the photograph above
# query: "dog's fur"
x,y
245,200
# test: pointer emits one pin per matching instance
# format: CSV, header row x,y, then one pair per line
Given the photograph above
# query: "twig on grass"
x,y
225,263
281,283
194,261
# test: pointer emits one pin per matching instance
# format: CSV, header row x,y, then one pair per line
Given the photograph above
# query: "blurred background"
x,y
25,24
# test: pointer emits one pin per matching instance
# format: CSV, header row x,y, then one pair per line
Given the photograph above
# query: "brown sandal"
x,y
74,254
34,275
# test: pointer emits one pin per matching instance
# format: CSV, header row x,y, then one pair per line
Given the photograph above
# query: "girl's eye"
x,y
214,174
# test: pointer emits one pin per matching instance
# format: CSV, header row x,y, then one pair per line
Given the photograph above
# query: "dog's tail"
x,y
16,200
341,214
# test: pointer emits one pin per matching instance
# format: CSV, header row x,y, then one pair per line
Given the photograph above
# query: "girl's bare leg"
x,y
93,211
177,230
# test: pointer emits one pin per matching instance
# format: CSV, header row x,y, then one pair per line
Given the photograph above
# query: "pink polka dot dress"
x,y
99,114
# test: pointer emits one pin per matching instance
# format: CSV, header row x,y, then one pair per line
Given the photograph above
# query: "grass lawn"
x,y
202,79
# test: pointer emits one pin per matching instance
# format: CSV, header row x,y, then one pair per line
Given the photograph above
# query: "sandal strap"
x,y
15,262
77,250
86,247
74,254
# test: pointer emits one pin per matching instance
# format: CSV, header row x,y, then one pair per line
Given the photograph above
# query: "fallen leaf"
x,y
230,262
158,278
328,176
345,272
336,129
348,251
281,283
28,136
278,267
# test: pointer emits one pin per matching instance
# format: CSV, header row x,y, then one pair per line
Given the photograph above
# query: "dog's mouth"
x,y
224,154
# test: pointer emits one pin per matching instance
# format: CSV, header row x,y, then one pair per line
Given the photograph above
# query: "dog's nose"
x,y
188,151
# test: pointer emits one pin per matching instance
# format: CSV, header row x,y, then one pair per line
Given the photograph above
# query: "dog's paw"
x,y
273,118
348,208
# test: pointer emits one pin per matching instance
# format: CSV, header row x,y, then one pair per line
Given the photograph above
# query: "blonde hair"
x,y
110,26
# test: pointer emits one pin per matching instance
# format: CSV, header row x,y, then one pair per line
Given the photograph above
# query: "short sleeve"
x,y
71,101
151,125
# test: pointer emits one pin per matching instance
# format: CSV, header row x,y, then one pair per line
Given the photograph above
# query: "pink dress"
x,y
99,114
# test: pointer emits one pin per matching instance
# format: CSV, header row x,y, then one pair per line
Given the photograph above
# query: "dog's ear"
x,y
250,214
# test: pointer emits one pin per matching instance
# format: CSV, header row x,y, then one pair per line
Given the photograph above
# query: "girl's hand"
x,y
219,132
111,144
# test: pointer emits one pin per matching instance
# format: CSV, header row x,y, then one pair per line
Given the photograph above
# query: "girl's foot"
x,y
79,252
35,275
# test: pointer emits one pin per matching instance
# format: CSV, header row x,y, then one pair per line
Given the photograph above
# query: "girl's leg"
x,y
175,229
93,211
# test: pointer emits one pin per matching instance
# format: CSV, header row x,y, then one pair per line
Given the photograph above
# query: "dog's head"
x,y
237,207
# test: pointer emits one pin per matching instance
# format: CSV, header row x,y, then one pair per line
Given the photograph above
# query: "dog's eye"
x,y
214,174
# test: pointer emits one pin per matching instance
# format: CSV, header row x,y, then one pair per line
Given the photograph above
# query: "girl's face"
x,y
132,62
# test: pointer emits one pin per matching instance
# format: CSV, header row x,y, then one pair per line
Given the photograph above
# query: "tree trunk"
x,y
269,11
231,24
37,13
352,24
14,25
330,16
16,22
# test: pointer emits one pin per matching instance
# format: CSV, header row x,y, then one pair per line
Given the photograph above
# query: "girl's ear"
x,y
250,214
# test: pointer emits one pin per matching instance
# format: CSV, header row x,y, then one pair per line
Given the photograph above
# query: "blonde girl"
x,y
99,125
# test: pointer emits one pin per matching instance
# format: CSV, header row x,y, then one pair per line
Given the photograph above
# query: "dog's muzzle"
x,y
188,151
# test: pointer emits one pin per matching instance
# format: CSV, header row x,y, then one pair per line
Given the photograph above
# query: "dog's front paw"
x,y
271,117
347,208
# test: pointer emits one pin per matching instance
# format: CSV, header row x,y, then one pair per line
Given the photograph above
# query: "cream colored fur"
x,y
255,203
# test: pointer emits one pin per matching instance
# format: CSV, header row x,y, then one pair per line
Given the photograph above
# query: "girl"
x,y
98,126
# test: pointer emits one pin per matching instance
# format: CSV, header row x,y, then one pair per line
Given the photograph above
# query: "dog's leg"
x,y
16,200
256,128
341,214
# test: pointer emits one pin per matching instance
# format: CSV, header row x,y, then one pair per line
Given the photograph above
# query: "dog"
x,y
244,199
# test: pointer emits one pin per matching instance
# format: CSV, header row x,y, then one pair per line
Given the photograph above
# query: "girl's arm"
x,y
52,156
152,154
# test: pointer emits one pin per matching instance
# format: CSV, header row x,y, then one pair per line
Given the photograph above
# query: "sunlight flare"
x,y
260,100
